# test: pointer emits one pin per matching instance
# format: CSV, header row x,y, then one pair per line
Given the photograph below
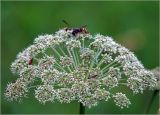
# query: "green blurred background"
x,y
133,24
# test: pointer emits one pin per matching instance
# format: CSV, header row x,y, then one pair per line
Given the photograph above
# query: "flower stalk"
x,y
82,109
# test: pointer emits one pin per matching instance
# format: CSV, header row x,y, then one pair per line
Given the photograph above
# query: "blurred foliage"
x,y
133,24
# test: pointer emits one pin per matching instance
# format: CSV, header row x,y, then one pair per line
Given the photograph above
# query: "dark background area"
x,y
133,24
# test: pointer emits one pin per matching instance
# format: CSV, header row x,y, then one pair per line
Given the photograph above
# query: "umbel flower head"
x,y
70,65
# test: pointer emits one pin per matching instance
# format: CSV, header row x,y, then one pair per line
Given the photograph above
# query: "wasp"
x,y
75,31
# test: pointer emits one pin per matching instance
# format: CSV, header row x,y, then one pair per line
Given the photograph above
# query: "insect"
x,y
76,31
79,30
93,76
30,61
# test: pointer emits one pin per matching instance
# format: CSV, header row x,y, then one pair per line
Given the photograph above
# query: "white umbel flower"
x,y
15,91
45,93
75,65
121,100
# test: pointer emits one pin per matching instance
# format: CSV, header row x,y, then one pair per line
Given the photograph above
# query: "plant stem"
x,y
74,57
83,43
56,52
64,54
150,102
100,63
70,54
108,65
81,109
76,53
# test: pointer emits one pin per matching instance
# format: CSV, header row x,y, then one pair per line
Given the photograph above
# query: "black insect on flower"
x,y
75,31
82,29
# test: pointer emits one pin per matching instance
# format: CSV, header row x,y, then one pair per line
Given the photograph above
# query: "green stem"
x,y
60,66
108,65
77,57
64,54
150,101
82,109
56,52
74,57
60,57
93,61
83,43
69,69
62,51
98,53
123,84
70,54
100,63
36,59
105,71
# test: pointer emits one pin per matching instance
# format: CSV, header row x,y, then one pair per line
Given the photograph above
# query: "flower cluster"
x,y
78,67
73,44
66,61
121,100
156,72
15,91
45,93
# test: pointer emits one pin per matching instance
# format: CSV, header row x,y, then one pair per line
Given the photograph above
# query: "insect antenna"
x,y
84,26
64,21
